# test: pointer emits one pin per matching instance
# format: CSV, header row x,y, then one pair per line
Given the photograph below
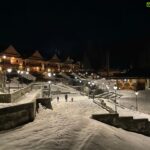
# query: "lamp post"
x,y
49,83
9,70
21,72
4,71
136,93
115,88
18,77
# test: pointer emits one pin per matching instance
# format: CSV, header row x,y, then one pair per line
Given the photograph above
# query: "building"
x,y
35,63
10,58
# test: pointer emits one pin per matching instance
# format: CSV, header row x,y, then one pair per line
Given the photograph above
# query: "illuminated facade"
x,y
10,58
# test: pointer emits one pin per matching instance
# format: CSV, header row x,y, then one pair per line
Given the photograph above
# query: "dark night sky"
x,y
94,27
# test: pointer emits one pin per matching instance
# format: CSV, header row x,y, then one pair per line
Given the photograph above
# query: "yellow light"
x,y
4,56
12,60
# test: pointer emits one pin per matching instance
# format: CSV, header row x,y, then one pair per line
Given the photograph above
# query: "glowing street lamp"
x,y
4,56
49,74
9,70
4,81
115,88
136,93
54,74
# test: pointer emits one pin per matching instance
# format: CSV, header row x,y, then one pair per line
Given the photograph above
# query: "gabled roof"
x,y
11,52
36,56
69,60
54,58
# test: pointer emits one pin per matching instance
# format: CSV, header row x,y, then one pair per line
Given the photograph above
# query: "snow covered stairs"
x,y
103,105
128,123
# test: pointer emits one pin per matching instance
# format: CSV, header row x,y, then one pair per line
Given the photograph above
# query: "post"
x,y
49,90
9,87
9,70
136,93
49,83
115,102
115,88
4,73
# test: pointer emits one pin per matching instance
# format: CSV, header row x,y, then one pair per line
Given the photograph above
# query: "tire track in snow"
x,y
84,138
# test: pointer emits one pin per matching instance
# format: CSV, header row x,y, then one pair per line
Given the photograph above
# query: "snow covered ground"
x,y
129,100
28,97
69,127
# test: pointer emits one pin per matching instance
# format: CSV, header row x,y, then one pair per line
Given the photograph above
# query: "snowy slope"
x,y
69,127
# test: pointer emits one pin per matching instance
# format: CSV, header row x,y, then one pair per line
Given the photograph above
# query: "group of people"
x,y
66,98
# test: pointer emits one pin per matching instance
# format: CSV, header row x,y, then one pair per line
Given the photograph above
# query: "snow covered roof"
x,y
10,51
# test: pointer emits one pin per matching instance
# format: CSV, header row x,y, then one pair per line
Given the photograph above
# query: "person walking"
x,y
57,98
66,97
72,99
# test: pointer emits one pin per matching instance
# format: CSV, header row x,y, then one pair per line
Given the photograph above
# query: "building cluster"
x,y
11,58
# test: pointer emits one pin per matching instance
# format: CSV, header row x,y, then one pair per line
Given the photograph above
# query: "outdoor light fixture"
x,y
9,70
93,83
54,74
89,82
115,88
4,56
18,71
21,72
136,93
49,82
80,81
49,74
27,72
28,69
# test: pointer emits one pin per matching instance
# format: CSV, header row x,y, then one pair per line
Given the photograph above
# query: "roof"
x,y
10,51
69,60
54,58
36,56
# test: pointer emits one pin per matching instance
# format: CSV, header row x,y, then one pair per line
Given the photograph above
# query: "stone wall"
x,y
14,116
128,123
12,97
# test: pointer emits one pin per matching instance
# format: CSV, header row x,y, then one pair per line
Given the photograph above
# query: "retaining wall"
x,y
14,116
12,97
141,126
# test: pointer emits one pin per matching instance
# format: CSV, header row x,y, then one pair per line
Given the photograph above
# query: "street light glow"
x,y
49,82
136,93
4,56
9,70
49,74
115,87
21,72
